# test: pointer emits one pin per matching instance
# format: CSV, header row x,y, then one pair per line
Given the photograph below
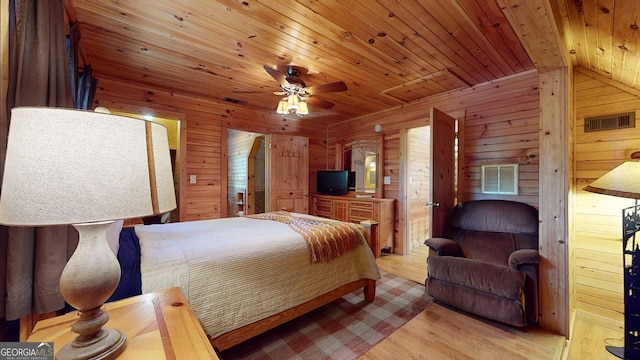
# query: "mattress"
x,y
235,271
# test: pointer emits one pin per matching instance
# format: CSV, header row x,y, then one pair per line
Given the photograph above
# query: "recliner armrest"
x,y
444,246
523,257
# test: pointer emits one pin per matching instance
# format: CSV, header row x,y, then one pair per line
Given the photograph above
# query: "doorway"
x,y
429,172
256,179
245,173
418,173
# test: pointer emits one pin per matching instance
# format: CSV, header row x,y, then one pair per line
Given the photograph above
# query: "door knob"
x,y
432,204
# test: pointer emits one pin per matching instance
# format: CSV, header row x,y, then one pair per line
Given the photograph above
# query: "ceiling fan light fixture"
x,y
293,102
303,109
282,107
291,84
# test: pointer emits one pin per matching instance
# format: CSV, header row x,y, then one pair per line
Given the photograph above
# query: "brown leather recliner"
x,y
488,264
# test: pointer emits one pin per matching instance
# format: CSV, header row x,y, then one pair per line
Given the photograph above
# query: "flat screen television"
x,y
332,182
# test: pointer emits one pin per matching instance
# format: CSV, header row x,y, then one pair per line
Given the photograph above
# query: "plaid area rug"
x,y
343,329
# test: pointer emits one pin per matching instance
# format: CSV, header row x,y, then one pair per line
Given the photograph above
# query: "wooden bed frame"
x,y
234,337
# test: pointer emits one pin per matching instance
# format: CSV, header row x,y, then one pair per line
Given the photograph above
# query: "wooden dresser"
x,y
354,209
158,325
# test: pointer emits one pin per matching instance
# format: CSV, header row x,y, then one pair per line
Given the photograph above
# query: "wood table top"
x,y
159,325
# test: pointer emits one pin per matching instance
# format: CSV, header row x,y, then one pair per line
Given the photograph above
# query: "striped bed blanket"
x,y
235,271
325,239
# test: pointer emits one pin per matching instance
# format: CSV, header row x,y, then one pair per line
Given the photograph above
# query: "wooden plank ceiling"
x,y
387,52
602,36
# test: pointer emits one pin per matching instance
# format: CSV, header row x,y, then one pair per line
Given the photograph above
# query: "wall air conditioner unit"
x,y
500,179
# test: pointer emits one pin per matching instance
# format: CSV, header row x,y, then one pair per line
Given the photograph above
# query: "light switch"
x,y
387,180
192,179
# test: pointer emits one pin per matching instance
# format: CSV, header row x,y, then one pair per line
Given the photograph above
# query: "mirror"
x,y
362,156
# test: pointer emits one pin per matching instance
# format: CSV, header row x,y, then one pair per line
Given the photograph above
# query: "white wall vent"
x,y
500,179
610,122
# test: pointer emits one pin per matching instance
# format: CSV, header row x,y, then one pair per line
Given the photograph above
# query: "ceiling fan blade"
x,y
279,93
250,91
277,75
327,88
314,101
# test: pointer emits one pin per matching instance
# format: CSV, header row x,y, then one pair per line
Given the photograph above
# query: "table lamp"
x,y
86,169
624,181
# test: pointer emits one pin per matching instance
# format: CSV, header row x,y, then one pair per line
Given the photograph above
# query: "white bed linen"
x,y
236,271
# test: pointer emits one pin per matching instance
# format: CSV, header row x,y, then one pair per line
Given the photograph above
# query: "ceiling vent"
x,y
235,101
610,122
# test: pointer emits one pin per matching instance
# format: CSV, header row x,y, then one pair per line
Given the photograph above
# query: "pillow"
x,y
113,235
166,217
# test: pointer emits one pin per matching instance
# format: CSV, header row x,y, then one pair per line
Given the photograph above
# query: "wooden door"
x,y
442,179
287,173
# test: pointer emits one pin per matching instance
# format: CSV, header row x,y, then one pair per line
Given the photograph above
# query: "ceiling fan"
x,y
297,94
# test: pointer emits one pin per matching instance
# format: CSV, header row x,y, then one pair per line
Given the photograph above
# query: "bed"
x,y
245,275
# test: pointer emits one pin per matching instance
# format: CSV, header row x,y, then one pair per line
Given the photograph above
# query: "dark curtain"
x,y
83,84
38,65
87,85
39,75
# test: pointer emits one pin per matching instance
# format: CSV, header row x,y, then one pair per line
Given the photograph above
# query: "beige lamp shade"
x,y
282,107
303,108
71,166
622,181
292,102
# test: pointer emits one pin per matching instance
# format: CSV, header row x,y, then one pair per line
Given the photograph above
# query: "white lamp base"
x,y
110,344
87,281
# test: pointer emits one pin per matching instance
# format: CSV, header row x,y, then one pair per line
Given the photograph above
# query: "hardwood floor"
x,y
440,332
591,333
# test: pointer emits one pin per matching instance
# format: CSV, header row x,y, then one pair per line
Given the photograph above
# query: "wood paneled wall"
x,y
597,247
499,124
556,104
204,124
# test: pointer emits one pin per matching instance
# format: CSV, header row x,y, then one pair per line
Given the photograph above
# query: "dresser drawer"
x,y
356,215
361,205
324,202
322,208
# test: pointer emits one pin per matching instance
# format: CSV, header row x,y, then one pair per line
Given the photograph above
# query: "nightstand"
x,y
158,325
